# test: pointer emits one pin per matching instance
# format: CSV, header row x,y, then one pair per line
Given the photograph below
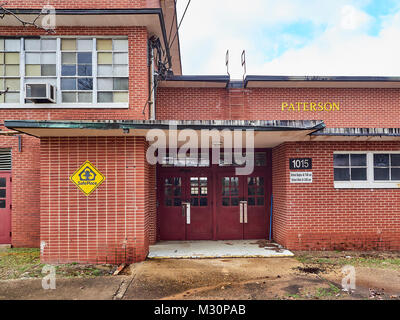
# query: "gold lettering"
x,y
306,106
320,106
291,107
336,106
326,106
284,105
313,106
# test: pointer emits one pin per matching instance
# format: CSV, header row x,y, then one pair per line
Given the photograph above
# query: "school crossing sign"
x,y
87,178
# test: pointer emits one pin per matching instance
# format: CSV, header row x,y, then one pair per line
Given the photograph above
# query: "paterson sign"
x,y
310,106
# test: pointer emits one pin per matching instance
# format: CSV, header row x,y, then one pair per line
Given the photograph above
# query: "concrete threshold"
x,y
217,249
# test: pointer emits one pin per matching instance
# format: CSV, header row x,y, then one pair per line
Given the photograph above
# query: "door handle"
x,y
186,211
243,212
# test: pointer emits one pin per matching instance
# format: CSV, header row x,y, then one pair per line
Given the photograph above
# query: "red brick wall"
x,y
25,218
84,4
317,216
360,108
109,225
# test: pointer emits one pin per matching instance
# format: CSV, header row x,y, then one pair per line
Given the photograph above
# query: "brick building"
x,y
327,150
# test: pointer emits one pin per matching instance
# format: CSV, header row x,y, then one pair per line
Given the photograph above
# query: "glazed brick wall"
x,y
319,217
84,4
112,224
138,78
25,213
360,108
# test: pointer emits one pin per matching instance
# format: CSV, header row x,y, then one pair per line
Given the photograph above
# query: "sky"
x,y
291,37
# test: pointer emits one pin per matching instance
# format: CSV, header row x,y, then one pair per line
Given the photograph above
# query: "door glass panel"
x,y
255,191
198,191
2,204
2,182
2,193
230,191
172,192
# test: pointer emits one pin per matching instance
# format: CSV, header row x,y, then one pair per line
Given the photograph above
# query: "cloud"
x,y
288,37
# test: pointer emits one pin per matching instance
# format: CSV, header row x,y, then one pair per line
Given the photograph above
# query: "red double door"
x,y
185,205
201,204
5,207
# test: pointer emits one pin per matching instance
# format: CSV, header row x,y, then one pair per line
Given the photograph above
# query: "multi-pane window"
x,y
173,192
386,167
77,70
83,70
350,167
255,191
230,191
199,191
112,70
188,161
10,70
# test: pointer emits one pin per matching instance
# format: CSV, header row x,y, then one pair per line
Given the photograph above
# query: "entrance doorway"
x,y
213,203
5,207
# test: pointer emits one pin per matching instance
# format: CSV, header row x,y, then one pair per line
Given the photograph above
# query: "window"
x,y
229,159
84,70
350,167
366,169
187,161
199,191
386,167
10,70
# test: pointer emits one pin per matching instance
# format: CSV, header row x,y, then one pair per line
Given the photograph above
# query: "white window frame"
x,y
59,104
370,183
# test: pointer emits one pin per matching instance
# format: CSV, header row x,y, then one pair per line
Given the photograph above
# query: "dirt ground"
x,y
315,275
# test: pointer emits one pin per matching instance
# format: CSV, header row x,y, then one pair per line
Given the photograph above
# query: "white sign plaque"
x,y
301,177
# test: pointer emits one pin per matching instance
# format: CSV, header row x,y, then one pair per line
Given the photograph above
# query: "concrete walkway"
x,y
217,249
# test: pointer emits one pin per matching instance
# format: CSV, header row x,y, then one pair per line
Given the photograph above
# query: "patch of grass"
x,y
25,263
330,292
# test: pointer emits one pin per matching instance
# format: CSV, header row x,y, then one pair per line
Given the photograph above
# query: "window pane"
x,y
84,70
2,193
104,58
120,70
12,84
105,70
121,97
105,84
260,201
121,45
120,58
1,58
49,70
85,97
395,160
69,97
68,44
203,202
358,174
68,84
2,182
381,174
32,58
68,70
104,44
69,58
358,160
121,84
396,174
341,160
342,174
12,44
32,44
1,85
49,45
105,97
1,44
85,44
84,58
12,58
48,58
85,84
12,97
12,70
2,204
381,160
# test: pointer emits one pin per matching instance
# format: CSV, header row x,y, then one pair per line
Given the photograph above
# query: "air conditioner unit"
x,y
40,92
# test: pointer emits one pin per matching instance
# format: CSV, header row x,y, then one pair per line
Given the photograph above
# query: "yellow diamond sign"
x,y
87,178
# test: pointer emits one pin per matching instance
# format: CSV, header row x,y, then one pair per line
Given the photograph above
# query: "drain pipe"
x,y
270,219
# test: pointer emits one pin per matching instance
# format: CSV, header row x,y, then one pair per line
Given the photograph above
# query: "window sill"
x,y
66,106
367,185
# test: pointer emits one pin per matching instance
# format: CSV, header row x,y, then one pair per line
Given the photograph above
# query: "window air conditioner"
x,y
40,92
